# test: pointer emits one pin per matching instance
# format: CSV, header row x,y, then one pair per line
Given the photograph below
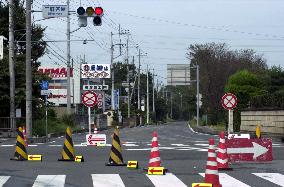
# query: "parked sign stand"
x,y
96,139
243,149
89,99
229,102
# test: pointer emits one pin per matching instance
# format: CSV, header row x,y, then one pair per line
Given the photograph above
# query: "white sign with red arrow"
x,y
96,139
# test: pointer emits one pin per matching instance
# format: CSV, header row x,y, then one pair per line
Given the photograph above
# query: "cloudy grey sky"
x,y
165,28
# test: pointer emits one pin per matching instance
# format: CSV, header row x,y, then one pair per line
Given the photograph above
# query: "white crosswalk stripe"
x,y
3,180
168,180
107,180
228,181
49,181
275,178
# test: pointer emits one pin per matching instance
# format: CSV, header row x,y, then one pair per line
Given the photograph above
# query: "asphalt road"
x,y
182,151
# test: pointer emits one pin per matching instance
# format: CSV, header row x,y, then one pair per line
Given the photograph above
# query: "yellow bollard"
x,y
257,131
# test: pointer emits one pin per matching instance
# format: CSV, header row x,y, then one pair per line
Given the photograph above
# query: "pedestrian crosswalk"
x,y
168,180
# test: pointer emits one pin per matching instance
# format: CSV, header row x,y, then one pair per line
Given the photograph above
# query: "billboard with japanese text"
x,y
95,71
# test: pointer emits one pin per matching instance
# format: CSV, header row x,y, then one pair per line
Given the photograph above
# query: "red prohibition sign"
x,y
89,98
229,101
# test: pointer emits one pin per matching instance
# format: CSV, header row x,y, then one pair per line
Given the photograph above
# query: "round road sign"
x,y
229,101
89,99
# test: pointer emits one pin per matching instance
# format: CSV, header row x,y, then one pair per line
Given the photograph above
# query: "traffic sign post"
x,y
44,91
229,102
89,99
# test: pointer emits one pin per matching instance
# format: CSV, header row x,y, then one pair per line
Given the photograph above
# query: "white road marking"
x,y
228,181
32,145
3,180
202,144
179,145
80,145
130,145
275,178
168,180
7,145
107,180
55,145
142,149
50,180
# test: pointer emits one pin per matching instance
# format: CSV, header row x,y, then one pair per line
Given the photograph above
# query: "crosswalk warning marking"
x,y
167,180
107,180
3,180
275,178
50,181
228,181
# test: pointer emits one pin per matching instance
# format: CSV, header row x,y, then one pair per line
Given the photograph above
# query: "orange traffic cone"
x,y
222,156
155,160
211,172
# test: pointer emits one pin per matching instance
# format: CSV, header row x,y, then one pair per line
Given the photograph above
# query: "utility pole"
x,y
128,81
68,60
112,72
11,63
171,104
153,108
147,96
28,71
197,95
138,85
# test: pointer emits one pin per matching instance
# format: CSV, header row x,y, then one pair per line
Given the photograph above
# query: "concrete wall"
x,y
270,121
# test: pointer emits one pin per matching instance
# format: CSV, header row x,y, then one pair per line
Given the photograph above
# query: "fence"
x,y
9,125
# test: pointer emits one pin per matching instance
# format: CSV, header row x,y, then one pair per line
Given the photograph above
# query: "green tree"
x,y
217,63
245,85
38,48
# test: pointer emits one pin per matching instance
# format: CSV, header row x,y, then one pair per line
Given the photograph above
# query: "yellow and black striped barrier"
x,y
67,152
115,158
21,151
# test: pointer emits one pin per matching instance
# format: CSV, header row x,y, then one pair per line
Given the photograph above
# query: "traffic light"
x,y
96,13
98,18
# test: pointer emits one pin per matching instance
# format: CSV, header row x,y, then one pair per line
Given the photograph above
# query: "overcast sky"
x,y
165,28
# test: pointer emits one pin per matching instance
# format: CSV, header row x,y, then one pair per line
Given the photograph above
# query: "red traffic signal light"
x,y
99,11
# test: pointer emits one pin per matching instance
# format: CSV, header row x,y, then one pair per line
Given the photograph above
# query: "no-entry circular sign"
x,y
89,98
229,101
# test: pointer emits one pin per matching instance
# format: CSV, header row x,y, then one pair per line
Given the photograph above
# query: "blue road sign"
x,y
44,85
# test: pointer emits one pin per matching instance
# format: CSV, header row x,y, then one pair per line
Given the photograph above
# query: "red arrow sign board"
x,y
94,139
240,149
